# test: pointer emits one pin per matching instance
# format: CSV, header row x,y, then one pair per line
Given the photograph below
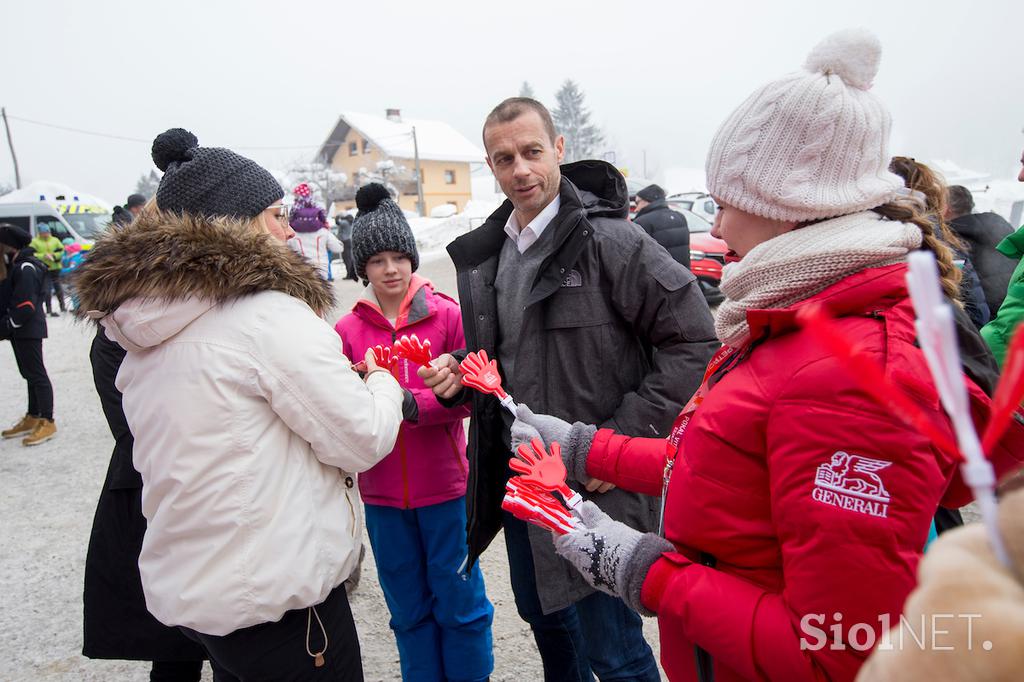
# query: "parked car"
x,y
700,203
707,253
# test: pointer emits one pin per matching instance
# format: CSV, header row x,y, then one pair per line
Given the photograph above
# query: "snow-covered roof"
x,y
437,140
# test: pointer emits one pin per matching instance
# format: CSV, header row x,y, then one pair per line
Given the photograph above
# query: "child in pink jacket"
x,y
416,496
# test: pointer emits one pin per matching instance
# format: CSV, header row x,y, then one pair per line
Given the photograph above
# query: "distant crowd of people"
x,y
738,482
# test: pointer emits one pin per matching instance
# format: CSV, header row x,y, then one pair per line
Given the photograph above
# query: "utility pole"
x,y
10,143
645,163
420,204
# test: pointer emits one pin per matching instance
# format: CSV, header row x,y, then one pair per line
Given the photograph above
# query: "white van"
x,y
81,222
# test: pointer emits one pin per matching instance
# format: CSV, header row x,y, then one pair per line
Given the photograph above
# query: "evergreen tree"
x,y
147,184
582,138
526,91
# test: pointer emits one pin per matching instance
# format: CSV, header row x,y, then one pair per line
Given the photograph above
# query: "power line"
x,y
81,131
76,130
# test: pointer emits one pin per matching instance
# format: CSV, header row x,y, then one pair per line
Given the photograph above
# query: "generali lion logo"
x,y
852,482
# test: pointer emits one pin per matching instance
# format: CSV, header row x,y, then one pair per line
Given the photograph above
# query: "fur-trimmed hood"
x,y
152,278
174,257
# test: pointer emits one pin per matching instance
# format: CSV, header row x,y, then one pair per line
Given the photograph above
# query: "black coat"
x,y
971,292
116,622
668,228
21,298
981,232
618,333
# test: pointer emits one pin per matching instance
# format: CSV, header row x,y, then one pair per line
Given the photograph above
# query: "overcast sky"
x,y
658,76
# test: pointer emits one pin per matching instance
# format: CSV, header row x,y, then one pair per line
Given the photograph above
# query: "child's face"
x,y
389,272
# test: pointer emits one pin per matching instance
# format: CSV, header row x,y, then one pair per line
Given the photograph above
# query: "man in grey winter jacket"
x,y
590,319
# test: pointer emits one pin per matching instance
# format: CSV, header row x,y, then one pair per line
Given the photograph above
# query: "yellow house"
x,y
359,142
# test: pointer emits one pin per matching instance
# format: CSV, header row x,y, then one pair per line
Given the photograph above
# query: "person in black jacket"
x,y
117,624
668,227
23,322
343,225
586,316
981,232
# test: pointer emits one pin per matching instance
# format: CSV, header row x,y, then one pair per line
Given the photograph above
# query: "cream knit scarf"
x,y
799,264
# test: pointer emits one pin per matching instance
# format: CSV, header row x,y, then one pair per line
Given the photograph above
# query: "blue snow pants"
x,y
441,619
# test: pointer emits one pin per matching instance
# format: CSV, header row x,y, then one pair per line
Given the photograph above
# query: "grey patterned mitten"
x,y
575,439
612,557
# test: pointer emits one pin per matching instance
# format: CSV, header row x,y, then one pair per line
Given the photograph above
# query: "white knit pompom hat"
x,y
811,145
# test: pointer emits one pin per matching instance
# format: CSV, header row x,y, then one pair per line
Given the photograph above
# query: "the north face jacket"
x,y
249,423
616,333
796,496
428,464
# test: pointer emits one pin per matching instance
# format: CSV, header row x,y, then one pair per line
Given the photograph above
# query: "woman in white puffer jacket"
x,y
249,423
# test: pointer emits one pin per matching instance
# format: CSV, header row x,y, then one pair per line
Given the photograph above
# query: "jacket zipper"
x,y
352,510
469,314
401,451
405,471
455,449
705,664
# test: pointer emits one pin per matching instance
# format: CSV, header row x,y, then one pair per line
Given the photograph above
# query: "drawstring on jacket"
x,y
318,658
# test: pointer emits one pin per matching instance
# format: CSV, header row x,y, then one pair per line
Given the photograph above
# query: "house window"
x,y
353,148
366,146
449,177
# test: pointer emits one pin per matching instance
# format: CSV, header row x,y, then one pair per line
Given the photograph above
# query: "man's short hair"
x,y
960,200
514,107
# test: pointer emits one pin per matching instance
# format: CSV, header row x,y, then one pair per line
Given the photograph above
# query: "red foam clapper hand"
x,y
536,507
413,350
384,358
481,372
544,470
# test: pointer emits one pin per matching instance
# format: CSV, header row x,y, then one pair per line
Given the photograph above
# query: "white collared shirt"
x,y
527,236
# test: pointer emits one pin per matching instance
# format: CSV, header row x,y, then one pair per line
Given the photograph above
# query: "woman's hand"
x,y
611,556
370,362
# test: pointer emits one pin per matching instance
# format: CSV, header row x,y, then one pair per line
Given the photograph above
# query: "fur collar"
x,y
169,256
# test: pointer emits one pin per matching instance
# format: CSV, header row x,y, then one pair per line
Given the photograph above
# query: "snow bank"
x,y
434,234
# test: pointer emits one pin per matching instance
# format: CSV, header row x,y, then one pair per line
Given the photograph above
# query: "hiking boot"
x,y
44,431
26,426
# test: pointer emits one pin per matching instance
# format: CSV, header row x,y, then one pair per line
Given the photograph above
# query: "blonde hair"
x,y
948,272
930,183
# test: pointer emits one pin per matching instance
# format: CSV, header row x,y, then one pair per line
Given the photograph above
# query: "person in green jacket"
x,y
999,331
50,251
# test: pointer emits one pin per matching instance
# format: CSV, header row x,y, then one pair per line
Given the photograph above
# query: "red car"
x,y
707,254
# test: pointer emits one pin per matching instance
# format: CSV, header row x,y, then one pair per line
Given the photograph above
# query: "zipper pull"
x,y
664,494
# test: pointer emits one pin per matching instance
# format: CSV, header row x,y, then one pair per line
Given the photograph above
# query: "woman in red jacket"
x,y
796,507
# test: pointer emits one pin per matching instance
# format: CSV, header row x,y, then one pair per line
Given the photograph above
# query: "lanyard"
x,y
724,355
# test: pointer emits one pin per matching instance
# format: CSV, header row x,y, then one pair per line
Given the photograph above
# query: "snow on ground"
x,y
49,497
434,234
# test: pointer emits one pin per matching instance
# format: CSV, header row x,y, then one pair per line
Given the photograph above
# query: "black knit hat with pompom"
x,y
210,181
380,226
